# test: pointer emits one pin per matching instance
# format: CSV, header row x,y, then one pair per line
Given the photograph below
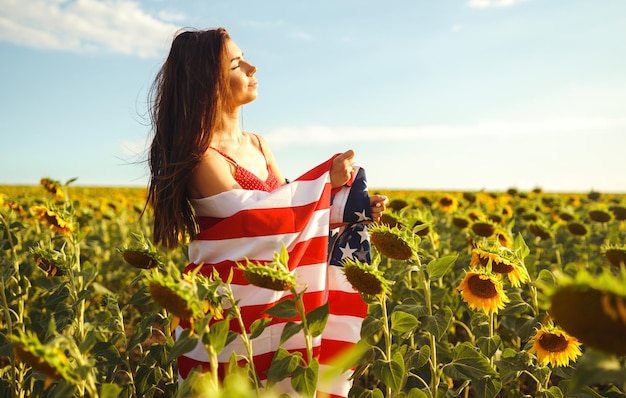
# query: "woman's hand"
x,y
341,169
378,204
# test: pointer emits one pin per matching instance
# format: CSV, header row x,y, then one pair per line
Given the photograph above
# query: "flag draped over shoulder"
x,y
248,224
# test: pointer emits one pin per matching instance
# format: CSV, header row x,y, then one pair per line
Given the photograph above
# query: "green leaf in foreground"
x,y
468,363
316,320
304,378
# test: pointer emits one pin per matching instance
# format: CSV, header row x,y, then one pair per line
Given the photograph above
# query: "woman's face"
x,y
243,84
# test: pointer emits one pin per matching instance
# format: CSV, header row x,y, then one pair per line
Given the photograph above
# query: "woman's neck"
x,y
229,132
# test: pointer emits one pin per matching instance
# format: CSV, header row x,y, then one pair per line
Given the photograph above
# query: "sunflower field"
x,y
471,294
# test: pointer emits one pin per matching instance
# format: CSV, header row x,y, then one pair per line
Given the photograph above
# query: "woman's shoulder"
x,y
211,176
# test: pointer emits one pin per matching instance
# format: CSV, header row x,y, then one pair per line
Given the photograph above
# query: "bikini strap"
x,y
233,160
225,155
260,147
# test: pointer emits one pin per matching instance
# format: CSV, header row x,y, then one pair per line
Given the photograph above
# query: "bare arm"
x,y
213,175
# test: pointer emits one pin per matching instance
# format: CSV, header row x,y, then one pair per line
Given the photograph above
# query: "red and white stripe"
x,y
240,224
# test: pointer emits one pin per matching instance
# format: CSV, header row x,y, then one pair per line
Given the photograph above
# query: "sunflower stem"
x,y
17,370
383,304
305,325
214,366
539,385
76,281
433,341
244,335
533,294
557,252
492,321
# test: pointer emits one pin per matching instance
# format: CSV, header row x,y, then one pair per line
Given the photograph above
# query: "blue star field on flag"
x,y
351,241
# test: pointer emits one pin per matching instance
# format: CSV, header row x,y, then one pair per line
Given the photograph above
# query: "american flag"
x,y
249,224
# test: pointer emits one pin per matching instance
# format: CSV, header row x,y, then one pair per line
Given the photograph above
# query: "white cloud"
x,y
493,3
300,35
304,135
135,148
119,26
171,16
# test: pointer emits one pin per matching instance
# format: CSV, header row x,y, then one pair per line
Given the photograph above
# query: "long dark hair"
x,y
187,100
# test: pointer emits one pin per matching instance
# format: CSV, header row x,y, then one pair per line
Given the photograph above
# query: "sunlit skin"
x,y
215,174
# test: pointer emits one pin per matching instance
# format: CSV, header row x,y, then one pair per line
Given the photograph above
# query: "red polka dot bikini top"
x,y
248,180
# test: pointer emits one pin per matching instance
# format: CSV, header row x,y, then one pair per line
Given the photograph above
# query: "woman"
x,y
206,171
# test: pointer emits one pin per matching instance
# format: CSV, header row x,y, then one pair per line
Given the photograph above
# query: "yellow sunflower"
x,y
461,222
274,275
502,260
13,205
475,215
52,262
141,254
482,290
140,258
554,346
365,278
619,212
600,215
397,204
616,254
57,221
592,307
504,238
565,215
448,203
395,243
48,359
577,228
540,229
178,297
421,221
484,228
390,220
54,187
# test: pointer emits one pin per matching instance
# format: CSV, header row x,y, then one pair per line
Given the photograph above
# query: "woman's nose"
x,y
251,70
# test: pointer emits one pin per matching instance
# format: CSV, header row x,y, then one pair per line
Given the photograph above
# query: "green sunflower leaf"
x,y
283,365
487,387
468,363
291,329
218,334
441,266
417,393
184,343
316,320
285,309
401,322
552,392
258,326
489,345
392,372
304,379
439,323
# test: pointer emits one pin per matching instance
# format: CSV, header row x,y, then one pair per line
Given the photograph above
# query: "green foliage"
x,y
420,338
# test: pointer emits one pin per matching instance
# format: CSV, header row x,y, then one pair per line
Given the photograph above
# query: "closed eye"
x,y
238,59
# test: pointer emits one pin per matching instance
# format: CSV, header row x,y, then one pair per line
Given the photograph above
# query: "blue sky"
x,y
431,94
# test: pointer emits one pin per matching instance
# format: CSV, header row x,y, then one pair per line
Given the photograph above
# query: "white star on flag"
x,y
364,234
361,215
347,251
